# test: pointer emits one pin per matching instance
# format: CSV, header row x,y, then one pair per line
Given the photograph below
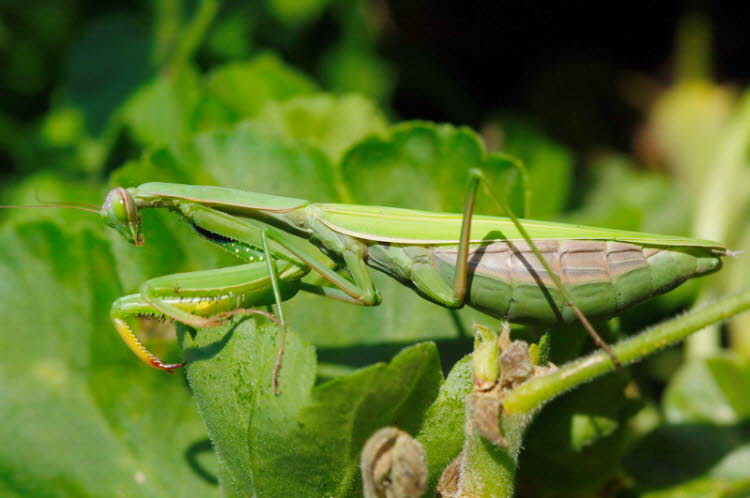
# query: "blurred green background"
x,y
639,121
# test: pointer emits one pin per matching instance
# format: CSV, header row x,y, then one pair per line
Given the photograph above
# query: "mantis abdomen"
x,y
506,280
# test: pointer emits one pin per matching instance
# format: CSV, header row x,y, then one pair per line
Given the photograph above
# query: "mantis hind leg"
x,y
460,282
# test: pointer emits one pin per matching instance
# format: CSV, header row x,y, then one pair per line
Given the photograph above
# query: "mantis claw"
x,y
135,345
169,367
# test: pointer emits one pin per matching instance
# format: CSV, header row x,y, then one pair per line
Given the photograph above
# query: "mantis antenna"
x,y
77,206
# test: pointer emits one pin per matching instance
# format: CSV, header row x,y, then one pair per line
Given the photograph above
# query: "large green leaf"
x,y
80,416
351,67
162,111
425,166
330,123
442,432
305,441
245,87
177,104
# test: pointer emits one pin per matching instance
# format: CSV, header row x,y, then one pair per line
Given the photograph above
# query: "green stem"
x,y
194,33
489,469
531,395
167,15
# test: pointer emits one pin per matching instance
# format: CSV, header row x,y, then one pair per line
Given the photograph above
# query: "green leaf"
x,y
710,391
75,403
425,166
180,103
704,448
442,432
63,126
305,441
333,124
161,112
245,87
231,33
352,68
704,488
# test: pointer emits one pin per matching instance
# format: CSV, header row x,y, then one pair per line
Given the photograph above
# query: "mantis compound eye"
x,y
121,213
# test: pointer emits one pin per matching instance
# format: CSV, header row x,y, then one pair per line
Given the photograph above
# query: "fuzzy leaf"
x,y
442,432
306,441
76,404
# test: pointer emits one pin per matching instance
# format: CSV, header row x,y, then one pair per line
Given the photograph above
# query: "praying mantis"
x,y
519,270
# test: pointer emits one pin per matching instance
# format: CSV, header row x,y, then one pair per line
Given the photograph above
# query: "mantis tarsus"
x,y
521,270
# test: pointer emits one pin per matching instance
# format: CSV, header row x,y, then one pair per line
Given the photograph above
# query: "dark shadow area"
x,y
358,356
192,457
193,354
674,454
461,62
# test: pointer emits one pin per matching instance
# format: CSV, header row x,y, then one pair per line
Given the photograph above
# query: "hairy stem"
x,y
488,468
531,395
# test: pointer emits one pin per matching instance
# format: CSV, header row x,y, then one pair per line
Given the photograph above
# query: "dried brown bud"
x,y
515,364
484,410
393,465
449,481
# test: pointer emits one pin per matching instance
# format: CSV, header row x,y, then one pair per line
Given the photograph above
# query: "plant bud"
x,y
393,465
485,358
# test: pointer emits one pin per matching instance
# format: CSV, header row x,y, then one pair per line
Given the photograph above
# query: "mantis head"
x,y
120,212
